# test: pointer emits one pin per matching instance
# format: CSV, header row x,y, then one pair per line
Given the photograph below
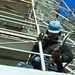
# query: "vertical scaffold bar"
x,y
39,42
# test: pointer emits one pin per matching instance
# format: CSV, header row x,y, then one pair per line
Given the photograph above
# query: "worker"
x,y
49,44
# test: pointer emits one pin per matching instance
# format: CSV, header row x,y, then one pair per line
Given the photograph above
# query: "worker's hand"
x,y
60,57
51,58
41,35
56,54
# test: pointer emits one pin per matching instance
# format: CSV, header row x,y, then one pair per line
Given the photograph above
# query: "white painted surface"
x,y
8,70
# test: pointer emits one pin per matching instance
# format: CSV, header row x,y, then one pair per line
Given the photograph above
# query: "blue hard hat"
x,y
54,27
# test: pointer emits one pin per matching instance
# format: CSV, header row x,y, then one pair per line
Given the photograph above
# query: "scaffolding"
x,y
21,22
